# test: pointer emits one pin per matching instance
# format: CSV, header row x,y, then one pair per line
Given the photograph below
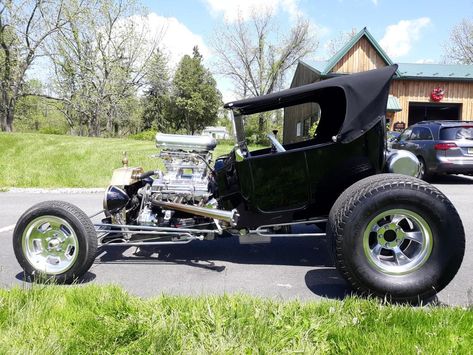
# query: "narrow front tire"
x,y
55,240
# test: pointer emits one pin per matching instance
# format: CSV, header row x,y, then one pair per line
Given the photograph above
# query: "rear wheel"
x,y
55,240
395,236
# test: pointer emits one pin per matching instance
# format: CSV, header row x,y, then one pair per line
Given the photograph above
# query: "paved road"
x,y
287,268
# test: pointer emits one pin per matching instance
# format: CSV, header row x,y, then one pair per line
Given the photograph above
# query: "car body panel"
x,y
302,180
300,183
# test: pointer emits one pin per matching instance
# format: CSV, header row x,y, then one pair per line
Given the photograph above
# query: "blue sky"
x,y
202,16
410,31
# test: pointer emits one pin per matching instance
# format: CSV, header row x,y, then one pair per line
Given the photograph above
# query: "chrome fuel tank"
x,y
402,162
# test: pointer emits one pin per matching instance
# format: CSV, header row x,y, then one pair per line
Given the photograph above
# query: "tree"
x,y
157,93
459,48
29,108
256,57
25,26
195,100
100,60
335,44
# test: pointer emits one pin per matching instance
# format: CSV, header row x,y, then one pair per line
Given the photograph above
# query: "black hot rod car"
x,y
392,235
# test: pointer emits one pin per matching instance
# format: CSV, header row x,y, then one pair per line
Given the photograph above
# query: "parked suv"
x,y
441,146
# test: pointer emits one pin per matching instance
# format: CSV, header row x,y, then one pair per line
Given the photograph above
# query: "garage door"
x,y
421,111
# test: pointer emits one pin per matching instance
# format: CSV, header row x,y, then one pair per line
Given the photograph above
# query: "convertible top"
x,y
363,95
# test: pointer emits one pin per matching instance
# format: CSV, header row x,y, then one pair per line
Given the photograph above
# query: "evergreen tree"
x,y
195,100
157,94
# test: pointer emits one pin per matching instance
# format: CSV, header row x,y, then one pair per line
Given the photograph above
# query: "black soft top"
x,y
364,96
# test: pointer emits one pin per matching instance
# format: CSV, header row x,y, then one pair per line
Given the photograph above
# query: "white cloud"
x,y
175,39
425,61
232,9
320,31
399,38
375,2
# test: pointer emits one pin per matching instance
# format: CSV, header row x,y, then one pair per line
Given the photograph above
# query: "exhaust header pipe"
x,y
230,217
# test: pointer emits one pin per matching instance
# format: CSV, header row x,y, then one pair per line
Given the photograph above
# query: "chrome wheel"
x,y
422,169
50,245
397,241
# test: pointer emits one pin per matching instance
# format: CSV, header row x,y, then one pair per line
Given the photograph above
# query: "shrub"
x,y
52,130
148,135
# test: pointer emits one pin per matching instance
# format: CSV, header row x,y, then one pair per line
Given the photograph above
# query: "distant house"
x,y
216,132
418,92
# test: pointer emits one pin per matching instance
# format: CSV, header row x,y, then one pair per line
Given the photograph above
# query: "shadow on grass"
x,y
86,278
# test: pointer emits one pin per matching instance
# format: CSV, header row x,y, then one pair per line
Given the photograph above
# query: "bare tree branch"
x,y
459,48
100,62
253,56
24,28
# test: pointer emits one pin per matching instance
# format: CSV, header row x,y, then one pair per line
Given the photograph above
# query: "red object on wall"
x,y
437,94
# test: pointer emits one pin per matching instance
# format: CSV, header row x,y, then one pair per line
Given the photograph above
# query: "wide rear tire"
x,y
56,241
396,237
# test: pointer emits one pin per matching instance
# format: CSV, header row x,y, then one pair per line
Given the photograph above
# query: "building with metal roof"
x,y
418,92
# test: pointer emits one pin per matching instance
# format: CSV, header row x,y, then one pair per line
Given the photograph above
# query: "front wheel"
x,y
55,240
397,237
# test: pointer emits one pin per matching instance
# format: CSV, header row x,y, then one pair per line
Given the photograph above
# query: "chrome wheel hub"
x,y
390,236
397,241
50,245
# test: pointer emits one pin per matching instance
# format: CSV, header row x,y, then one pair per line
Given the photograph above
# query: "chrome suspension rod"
x,y
263,230
150,228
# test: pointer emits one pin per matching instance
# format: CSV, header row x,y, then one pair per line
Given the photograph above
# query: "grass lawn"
x,y
42,160
97,319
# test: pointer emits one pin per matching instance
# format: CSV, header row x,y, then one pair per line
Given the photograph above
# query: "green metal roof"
x,y
393,104
419,71
317,66
436,71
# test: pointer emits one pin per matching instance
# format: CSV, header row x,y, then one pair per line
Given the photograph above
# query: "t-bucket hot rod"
x,y
392,235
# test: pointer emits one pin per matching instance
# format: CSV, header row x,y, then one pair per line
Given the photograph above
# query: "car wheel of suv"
x,y
396,237
422,174
55,240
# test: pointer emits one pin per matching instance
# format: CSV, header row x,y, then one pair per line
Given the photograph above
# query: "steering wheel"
x,y
275,143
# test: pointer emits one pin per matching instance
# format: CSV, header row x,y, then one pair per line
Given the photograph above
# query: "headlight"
x,y
114,200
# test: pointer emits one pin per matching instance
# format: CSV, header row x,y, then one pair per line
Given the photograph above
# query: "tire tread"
x,y
70,210
360,193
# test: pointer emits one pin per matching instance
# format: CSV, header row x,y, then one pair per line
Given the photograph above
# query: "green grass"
x,y
97,319
42,160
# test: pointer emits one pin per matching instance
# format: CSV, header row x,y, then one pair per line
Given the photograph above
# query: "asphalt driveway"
x,y
287,268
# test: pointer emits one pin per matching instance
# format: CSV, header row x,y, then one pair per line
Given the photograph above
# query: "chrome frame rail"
x,y
262,230
185,235
150,228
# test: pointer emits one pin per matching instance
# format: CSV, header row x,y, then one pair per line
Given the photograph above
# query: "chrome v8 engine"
x,y
183,186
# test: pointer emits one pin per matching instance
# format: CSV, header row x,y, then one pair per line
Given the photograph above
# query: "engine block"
x,y
187,160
